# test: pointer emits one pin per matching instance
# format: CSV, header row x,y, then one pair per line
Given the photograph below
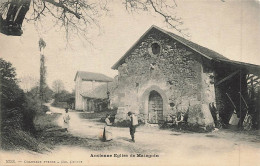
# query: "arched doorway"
x,y
155,107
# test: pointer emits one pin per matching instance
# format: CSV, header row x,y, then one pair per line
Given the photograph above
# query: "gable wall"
x,y
81,87
177,74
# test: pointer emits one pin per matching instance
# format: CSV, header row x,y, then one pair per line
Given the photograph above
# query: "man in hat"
x,y
133,124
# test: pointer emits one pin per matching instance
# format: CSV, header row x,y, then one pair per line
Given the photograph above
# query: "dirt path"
x,y
91,128
172,148
228,147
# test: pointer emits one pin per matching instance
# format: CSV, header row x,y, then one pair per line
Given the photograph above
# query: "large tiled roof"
x,y
89,76
207,52
210,54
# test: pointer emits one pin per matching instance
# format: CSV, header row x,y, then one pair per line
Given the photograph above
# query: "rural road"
x,y
224,146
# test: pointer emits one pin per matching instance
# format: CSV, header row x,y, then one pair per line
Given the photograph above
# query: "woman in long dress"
x,y
107,135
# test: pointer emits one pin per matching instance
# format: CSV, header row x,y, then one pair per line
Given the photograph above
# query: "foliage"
x,y
47,93
63,96
15,111
12,95
43,84
42,44
63,99
18,109
57,86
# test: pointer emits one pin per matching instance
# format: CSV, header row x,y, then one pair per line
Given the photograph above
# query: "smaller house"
x,y
85,83
97,99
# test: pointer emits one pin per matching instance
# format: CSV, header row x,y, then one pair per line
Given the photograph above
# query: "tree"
x,y
57,86
11,94
28,82
43,84
79,15
14,12
63,99
17,109
12,98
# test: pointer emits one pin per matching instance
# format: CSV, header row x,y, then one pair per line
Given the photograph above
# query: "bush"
x,y
17,111
13,98
63,99
60,104
47,93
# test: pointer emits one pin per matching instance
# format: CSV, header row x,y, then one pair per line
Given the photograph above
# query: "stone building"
x,y
86,82
163,74
97,100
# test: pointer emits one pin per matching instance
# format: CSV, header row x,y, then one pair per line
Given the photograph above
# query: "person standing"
x,y
133,124
107,135
107,120
66,119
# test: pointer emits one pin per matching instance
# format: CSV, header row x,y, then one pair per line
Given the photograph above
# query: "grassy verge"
x,y
44,122
20,140
18,131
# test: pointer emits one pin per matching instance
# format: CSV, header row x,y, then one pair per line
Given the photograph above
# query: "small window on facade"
x,y
156,48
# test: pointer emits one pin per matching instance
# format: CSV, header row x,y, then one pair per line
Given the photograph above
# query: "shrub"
x,y
17,110
63,99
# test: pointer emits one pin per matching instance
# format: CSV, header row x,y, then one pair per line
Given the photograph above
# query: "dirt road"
x,y
225,147
153,146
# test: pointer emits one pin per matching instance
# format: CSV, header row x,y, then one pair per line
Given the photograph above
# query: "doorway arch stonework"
x,y
145,99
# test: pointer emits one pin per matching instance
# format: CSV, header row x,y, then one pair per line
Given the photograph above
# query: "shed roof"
x,y
251,68
99,92
210,54
89,76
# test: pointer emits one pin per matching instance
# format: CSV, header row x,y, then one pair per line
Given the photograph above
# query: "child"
x,y
66,119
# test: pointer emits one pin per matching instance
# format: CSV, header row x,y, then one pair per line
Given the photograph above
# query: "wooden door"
x,y
155,107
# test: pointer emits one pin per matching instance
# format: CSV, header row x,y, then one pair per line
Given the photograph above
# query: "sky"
x,y
231,28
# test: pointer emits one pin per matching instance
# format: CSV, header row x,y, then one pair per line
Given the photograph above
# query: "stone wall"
x,y
175,73
207,95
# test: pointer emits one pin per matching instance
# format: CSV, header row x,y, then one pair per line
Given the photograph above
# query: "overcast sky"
x,y
231,28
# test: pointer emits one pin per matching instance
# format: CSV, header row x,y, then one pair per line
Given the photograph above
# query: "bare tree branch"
x,y
61,5
80,16
163,8
168,18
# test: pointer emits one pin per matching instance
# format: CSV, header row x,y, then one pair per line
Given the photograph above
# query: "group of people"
x,y
106,134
